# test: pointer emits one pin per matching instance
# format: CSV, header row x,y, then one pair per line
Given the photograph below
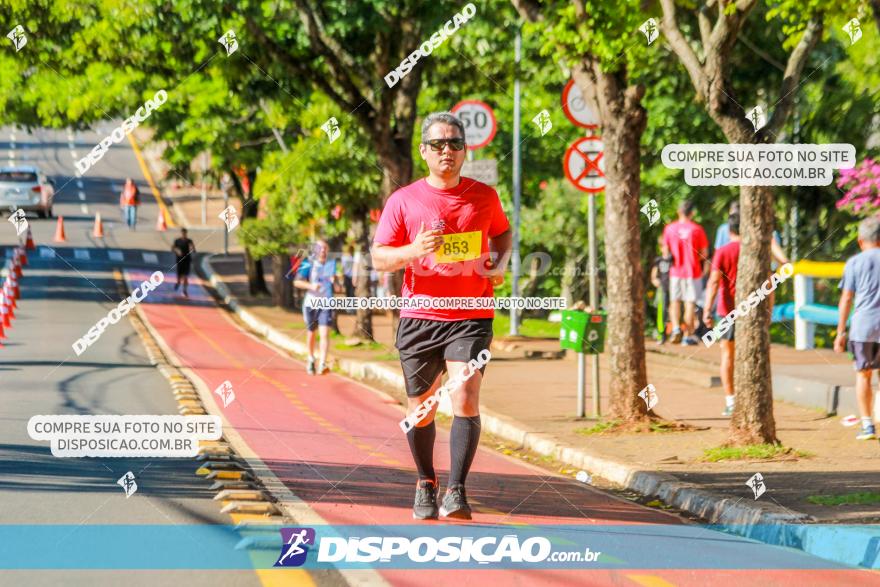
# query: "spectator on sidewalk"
x,y
861,281
183,249
129,200
722,281
687,242
660,280
317,276
722,237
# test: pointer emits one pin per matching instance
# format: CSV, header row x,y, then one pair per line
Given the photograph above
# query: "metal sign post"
x,y
594,300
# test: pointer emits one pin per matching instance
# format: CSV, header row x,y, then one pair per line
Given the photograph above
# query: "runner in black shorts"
x,y
453,238
184,249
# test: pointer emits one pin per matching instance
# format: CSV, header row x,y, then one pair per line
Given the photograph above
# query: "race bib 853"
x,y
462,246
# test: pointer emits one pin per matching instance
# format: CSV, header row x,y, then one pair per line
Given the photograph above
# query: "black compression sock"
x,y
463,442
421,444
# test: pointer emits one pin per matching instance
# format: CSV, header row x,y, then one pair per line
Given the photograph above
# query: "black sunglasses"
x,y
438,144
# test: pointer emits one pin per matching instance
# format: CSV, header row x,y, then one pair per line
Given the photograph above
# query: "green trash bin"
x,y
582,332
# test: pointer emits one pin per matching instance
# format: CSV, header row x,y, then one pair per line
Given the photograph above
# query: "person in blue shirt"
x,y
861,283
317,276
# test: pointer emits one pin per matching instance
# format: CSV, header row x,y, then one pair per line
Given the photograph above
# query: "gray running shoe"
x,y
425,506
455,504
310,368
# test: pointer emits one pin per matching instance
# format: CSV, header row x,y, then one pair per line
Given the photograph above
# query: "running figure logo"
x,y
649,29
19,220
756,482
226,393
652,211
229,41
294,550
649,394
542,120
757,118
19,39
331,127
127,483
230,217
854,29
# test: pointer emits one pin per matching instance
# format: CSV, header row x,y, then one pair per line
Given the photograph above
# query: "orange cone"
x,y
160,221
98,231
16,266
29,245
59,231
22,256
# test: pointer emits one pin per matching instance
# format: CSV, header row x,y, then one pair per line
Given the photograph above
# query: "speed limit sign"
x,y
479,122
575,107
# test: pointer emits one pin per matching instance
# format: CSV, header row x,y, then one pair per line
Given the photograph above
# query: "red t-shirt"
x,y
725,261
469,207
685,239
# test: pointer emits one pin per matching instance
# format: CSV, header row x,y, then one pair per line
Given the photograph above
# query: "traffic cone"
x,y
29,245
98,231
22,256
16,265
16,292
4,311
160,221
59,231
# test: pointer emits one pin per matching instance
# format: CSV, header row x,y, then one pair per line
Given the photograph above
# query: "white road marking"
x,y
73,154
115,255
151,258
47,253
79,184
82,196
84,208
82,254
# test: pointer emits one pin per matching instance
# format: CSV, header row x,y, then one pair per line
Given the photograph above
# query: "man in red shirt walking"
x,y
690,261
722,280
454,240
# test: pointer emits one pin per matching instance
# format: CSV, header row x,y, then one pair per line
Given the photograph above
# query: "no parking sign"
x,y
584,164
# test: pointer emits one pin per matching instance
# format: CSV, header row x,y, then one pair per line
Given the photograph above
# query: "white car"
x,y
28,188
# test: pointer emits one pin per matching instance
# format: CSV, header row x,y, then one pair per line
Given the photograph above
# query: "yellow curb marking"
x,y
149,177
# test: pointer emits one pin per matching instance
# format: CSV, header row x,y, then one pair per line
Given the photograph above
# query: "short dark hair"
x,y
733,223
686,207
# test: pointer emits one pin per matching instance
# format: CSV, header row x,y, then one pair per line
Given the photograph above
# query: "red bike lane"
x,y
337,446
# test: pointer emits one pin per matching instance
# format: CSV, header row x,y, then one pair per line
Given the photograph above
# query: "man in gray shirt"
x,y
861,281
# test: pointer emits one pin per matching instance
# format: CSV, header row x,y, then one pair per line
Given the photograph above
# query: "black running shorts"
x,y
426,345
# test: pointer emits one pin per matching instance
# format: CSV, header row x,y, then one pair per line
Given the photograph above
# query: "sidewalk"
x,y
537,398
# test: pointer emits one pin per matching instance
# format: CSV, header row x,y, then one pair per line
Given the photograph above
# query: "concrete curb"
x,y
771,524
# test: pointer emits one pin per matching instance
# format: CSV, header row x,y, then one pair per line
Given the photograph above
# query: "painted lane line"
x,y
82,196
79,184
115,255
47,253
151,258
82,254
84,208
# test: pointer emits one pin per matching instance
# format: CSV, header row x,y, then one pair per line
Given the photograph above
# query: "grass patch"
x,y
386,357
599,427
663,426
750,452
296,325
865,498
528,327
367,346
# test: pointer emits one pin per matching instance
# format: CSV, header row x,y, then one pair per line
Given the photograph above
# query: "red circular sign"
x,y
584,164
479,122
575,107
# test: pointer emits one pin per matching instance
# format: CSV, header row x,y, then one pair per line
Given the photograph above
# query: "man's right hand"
x,y
840,342
707,318
427,241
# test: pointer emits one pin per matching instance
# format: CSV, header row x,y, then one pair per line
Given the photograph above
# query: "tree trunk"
x,y
256,279
753,421
396,173
625,338
282,295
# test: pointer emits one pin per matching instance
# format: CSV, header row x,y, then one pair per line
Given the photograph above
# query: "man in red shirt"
x,y
690,261
454,240
722,280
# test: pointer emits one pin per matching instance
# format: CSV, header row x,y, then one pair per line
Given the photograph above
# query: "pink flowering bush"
x,y
862,185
